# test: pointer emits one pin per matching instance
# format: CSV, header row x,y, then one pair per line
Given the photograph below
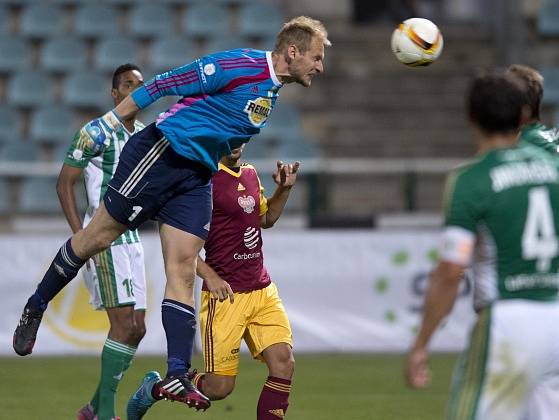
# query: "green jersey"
x,y
98,171
502,215
541,136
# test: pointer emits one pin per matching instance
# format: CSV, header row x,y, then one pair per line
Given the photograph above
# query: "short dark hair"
x,y
495,102
123,69
534,86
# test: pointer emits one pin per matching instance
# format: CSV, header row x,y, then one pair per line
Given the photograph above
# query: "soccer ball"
x,y
417,42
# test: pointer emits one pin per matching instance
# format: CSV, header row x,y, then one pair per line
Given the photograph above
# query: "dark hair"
x,y
123,69
495,102
534,86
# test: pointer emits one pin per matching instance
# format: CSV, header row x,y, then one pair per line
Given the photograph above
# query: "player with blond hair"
x,y
165,172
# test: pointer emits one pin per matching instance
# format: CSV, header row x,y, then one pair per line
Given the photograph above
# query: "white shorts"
x,y
118,278
511,368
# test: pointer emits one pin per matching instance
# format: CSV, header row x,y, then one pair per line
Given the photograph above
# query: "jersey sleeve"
x,y
201,77
76,157
263,200
462,213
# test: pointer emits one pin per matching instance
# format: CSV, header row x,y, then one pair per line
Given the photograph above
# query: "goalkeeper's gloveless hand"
x,y
95,135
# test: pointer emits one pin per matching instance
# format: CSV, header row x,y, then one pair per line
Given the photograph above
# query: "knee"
x,y
139,331
128,331
283,365
99,242
219,390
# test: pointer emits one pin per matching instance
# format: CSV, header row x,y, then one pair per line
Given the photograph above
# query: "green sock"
x,y
115,359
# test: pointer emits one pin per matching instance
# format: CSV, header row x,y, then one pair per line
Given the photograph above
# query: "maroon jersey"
x,y
234,245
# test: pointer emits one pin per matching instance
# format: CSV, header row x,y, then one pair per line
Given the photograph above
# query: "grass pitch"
x,y
325,387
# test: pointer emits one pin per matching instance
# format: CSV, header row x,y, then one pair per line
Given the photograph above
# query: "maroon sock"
x,y
274,397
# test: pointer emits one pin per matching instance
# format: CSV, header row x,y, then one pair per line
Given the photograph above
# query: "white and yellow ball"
x,y
417,42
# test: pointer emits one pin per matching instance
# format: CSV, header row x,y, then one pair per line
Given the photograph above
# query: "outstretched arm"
x,y
285,177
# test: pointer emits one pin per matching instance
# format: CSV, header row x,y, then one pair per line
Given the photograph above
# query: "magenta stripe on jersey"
x,y
243,66
174,80
183,103
182,76
245,80
233,60
168,83
172,83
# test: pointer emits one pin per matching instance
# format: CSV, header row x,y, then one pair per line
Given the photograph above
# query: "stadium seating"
x,y
205,21
88,90
224,43
551,85
16,54
41,21
94,21
38,195
259,20
63,55
4,197
548,18
169,53
111,53
19,152
30,89
5,22
10,124
53,125
151,20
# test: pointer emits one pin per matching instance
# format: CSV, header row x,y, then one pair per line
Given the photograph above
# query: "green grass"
x,y
326,387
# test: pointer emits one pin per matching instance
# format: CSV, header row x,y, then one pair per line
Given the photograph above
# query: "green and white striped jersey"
x,y
98,171
502,216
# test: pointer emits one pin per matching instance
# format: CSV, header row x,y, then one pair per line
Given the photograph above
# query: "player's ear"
x,y
292,51
114,93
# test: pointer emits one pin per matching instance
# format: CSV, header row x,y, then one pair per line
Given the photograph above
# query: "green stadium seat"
x,y
96,21
16,54
38,195
30,89
63,55
206,20
41,21
53,125
111,53
19,152
10,124
170,53
548,18
259,20
88,90
150,21
551,85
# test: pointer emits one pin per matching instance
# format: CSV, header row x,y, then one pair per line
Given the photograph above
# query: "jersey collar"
x,y
272,71
222,167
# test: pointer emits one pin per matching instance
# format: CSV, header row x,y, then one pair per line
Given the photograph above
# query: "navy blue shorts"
x,y
152,181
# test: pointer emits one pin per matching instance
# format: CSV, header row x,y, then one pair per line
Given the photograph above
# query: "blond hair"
x,y
300,32
533,81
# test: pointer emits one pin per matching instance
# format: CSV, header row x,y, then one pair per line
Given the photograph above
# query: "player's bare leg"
x,y
274,398
215,387
180,253
97,236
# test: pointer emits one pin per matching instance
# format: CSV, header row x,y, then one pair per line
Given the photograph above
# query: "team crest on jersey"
x,y
209,69
247,203
258,110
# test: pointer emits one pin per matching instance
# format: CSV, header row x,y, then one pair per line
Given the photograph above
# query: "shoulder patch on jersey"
x,y
258,110
209,69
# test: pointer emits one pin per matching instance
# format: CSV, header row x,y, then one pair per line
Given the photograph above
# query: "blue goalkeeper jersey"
x,y
226,99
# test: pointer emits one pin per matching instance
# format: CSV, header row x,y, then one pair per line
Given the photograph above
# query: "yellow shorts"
x,y
258,317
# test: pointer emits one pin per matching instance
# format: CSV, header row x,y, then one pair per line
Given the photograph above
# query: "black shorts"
x,y
152,181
